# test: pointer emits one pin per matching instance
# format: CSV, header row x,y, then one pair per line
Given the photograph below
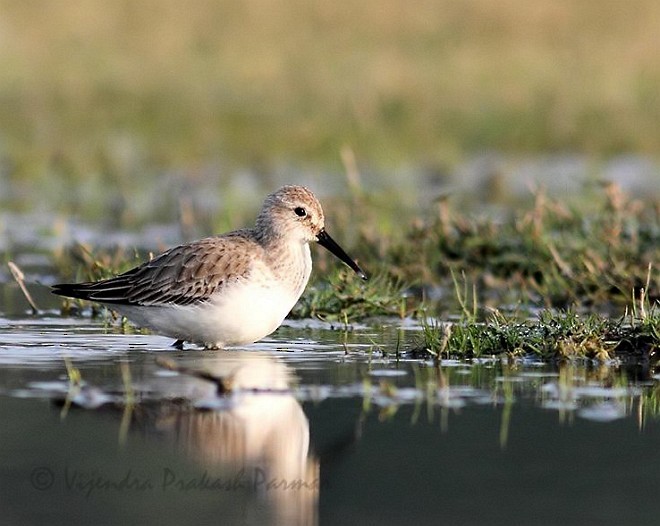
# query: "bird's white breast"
x,y
239,313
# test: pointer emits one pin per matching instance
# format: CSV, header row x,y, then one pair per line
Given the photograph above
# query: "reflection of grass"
x,y
107,89
586,389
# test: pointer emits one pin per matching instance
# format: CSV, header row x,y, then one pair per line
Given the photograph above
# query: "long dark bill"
x,y
326,241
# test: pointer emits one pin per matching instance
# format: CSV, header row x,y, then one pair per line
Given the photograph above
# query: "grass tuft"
x,y
554,335
344,297
548,256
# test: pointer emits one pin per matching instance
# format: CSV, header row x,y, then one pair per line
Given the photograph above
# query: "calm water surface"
x,y
321,427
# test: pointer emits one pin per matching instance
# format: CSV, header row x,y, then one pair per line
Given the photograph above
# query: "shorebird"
x,y
225,290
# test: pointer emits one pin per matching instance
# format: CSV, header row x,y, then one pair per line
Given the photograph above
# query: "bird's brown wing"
x,y
183,275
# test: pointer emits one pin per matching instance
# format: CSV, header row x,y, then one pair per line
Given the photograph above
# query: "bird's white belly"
x,y
241,314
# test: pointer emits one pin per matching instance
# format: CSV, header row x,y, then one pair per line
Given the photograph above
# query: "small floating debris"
x,y
603,412
388,372
166,373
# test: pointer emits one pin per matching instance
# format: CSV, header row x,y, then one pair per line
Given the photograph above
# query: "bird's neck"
x,y
291,263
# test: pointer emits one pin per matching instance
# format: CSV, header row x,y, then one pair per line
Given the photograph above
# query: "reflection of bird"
x,y
230,289
259,436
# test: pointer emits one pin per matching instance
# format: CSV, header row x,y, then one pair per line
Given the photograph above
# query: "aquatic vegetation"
x,y
556,335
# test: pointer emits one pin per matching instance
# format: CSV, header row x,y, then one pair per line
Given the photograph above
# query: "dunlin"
x,y
231,289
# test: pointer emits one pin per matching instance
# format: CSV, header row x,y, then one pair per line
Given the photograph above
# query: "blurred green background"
x,y
113,94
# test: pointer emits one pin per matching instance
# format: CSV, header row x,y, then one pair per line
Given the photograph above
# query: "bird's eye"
x,y
300,211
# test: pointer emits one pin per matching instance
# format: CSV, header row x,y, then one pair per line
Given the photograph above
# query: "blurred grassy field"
x,y
117,86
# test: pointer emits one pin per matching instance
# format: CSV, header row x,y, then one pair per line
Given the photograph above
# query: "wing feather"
x,y
183,275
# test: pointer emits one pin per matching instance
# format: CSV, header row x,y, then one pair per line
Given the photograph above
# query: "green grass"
x,y
548,255
346,298
553,335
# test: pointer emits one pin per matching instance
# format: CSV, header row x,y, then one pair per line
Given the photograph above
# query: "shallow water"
x,y
321,426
